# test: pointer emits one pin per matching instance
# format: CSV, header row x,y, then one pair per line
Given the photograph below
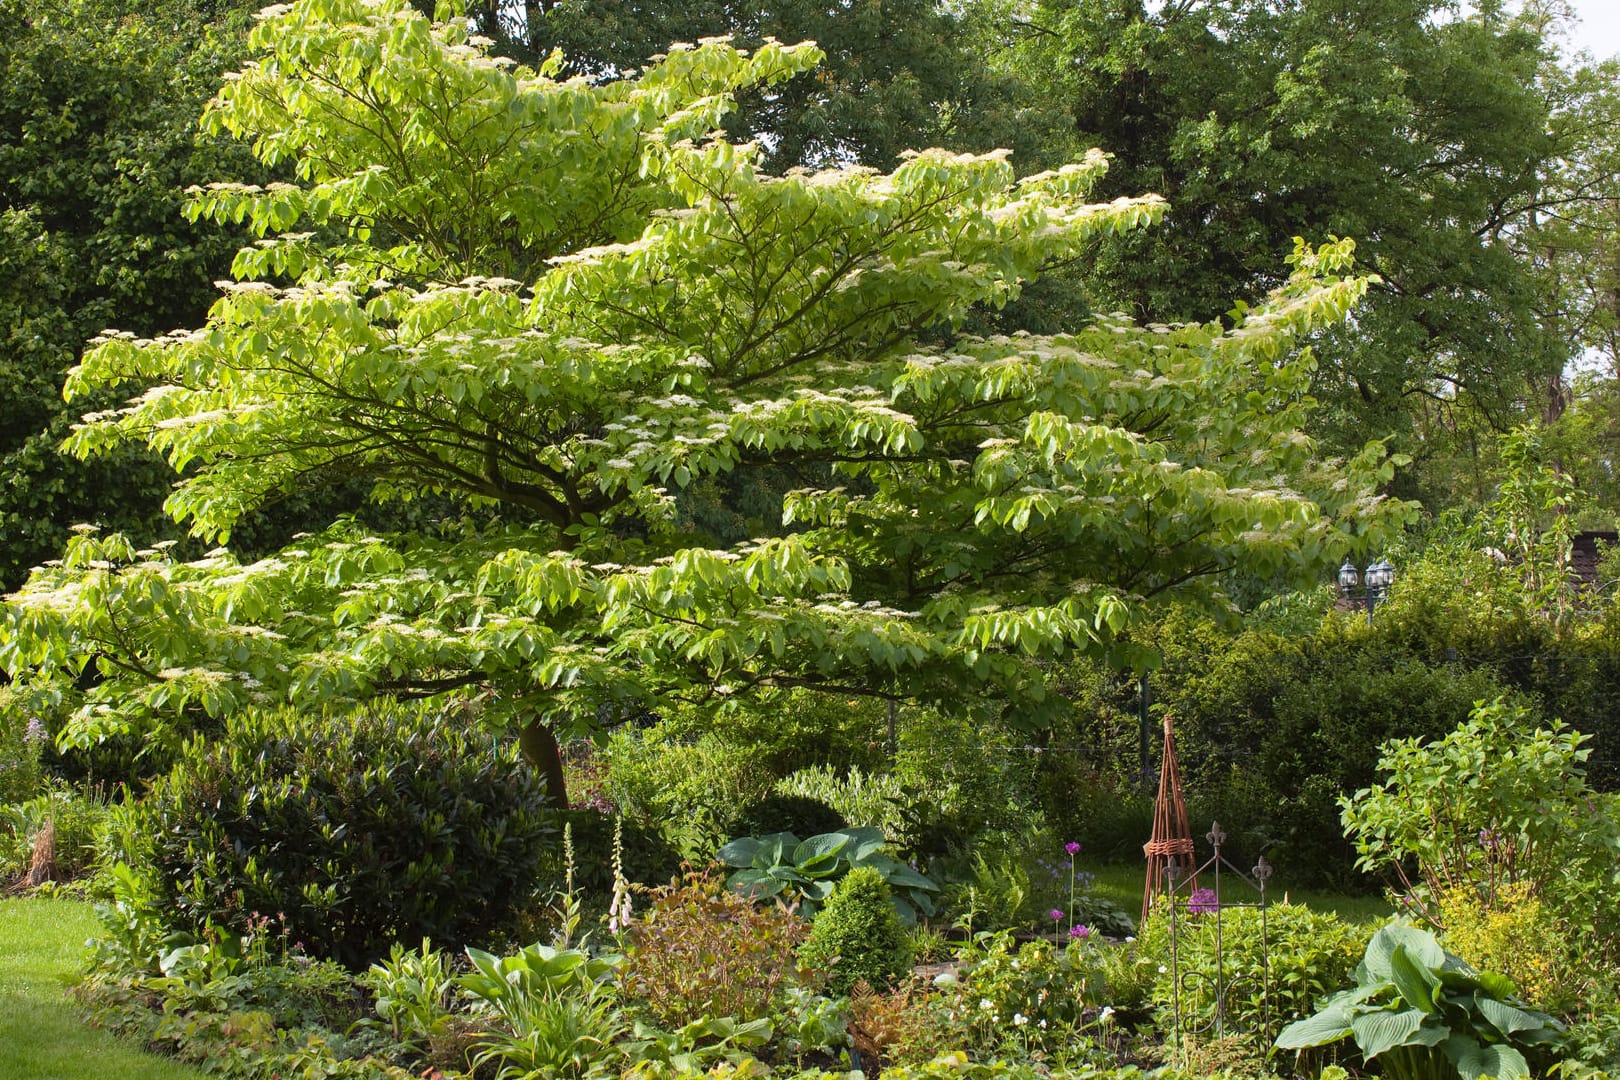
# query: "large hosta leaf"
x,y
1379,1031
1474,1061
1329,1025
1420,946
1508,1019
1415,982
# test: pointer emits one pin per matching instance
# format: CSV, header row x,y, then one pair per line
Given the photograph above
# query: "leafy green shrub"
x,y
690,793
1515,935
703,951
22,738
960,776
863,799
790,730
1494,803
411,994
789,813
556,1011
857,937
1421,1012
804,872
354,830
1302,955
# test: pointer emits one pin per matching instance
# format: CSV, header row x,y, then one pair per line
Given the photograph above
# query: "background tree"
x,y
897,74
545,301
1430,138
98,135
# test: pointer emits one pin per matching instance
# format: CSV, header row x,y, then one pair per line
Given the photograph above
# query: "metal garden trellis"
x,y
1221,984
1173,876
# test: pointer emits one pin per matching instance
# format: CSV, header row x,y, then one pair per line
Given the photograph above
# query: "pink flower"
x,y
1080,933
1072,847
1055,915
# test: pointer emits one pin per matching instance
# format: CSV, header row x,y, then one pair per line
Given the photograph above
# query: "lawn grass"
x,y
1122,883
41,1034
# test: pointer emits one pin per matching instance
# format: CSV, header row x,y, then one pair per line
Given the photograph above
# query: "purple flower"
x,y
1080,933
1202,902
1055,915
35,732
1072,847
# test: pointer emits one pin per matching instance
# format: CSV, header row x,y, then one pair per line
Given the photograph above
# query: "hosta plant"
x,y
1421,1012
804,872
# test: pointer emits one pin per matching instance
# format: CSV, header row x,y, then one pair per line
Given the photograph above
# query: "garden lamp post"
x,y
1378,578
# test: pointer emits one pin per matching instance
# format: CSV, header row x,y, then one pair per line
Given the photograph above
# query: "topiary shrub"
x,y
857,937
351,831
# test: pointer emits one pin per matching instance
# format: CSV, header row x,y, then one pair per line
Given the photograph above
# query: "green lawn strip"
x,y
42,1036
1122,883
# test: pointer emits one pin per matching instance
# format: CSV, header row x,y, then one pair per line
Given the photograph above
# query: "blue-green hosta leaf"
x,y
1415,982
1473,1060
820,853
756,883
1509,1020
864,843
1420,946
1328,1026
1376,1032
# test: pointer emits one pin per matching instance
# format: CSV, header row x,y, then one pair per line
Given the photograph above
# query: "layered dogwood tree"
x,y
564,304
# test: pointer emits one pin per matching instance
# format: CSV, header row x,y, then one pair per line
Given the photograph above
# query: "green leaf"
x,y
1420,946
1474,1061
1376,1032
1507,1019
1415,982
1328,1026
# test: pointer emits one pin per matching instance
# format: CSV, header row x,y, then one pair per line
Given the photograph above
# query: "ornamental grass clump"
x,y
857,936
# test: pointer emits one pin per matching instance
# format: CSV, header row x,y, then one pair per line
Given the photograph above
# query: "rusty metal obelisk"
x,y
1171,845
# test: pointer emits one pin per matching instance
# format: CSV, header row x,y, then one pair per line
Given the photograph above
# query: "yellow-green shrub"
x,y
1515,936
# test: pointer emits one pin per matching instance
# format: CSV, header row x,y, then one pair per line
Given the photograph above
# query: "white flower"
x,y
1019,1019
945,978
1163,969
1042,1025
1106,1015
986,1004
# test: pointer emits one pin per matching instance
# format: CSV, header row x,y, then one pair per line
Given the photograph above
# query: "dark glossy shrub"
x,y
797,814
857,937
350,832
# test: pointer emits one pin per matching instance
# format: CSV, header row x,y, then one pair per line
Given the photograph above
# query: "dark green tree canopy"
x,y
98,137
1425,133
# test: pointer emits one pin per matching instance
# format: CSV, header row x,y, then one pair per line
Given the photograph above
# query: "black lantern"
x,y
1378,578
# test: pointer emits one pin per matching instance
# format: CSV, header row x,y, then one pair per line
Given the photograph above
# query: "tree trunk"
x,y
540,749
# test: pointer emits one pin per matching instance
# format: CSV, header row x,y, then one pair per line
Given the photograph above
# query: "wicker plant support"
x,y
1171,844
